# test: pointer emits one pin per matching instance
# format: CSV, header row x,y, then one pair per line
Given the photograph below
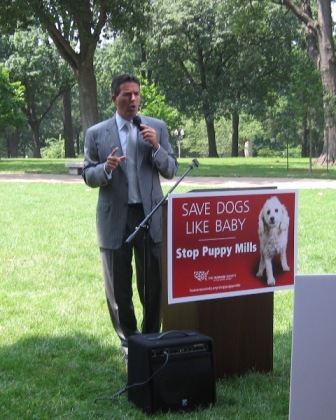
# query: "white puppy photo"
x,y
273,237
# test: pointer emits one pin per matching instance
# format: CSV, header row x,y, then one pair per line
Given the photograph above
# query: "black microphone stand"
x,y
144,226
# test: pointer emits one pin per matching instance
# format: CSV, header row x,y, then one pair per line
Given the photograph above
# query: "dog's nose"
x,y
272,219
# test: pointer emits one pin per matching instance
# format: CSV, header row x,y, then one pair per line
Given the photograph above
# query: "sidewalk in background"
x,y
232,183
215,182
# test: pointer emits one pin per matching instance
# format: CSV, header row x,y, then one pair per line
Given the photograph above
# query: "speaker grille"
x,y
176,373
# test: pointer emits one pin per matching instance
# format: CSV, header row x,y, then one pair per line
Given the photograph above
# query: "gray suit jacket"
x,y
112,204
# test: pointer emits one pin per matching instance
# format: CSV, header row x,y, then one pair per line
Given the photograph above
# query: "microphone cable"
x,y
137,384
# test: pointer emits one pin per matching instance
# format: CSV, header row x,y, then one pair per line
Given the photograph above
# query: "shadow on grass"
x,y
59,376
76,377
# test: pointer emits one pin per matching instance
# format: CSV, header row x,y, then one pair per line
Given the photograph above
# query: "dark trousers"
x,y
118,273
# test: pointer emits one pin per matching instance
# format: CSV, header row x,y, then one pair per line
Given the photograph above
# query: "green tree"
x,y
153,103
35,62
317,20
11,99
121,56
76,28
190,50
111,59
263,61
297,116
215,58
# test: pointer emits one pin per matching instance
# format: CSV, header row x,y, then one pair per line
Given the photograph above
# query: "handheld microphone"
x,y
137,121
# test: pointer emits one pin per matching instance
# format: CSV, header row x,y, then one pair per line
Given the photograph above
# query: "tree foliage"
x,y
191,48
153,103
318,26
119,57
36,64
217,58
76,29
12,98
220,63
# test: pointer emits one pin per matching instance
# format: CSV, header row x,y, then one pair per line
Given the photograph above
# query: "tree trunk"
x,y
210,126
304,135
35,127
311,40
69,146
78,144
13,144
324,59
82,63
235,135
328,77
87,85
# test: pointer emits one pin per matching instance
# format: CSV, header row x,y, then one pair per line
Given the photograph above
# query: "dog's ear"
x,y
285,219
261,223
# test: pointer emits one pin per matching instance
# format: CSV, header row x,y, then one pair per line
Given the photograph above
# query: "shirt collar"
x,y
120,121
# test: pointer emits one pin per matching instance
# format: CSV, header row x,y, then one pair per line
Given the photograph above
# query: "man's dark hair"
x,y
119,80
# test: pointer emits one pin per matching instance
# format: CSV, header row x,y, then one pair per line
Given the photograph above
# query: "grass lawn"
x,y
58,351
229,167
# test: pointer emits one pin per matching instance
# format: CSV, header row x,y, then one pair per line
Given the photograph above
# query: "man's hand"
x,y
113,161
149,135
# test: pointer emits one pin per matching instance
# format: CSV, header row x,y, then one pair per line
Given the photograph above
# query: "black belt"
x,y
135,205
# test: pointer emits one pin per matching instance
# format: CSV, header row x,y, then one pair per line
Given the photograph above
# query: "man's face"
x,y
128,100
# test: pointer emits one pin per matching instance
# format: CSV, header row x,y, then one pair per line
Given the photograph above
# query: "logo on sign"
x,y
201,275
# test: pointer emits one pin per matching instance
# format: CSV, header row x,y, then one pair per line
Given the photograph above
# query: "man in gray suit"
x,y
125,164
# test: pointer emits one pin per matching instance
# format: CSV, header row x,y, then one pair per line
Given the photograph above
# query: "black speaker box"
x,y
172,371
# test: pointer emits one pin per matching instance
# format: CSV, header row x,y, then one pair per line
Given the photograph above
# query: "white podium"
x,y
313,369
